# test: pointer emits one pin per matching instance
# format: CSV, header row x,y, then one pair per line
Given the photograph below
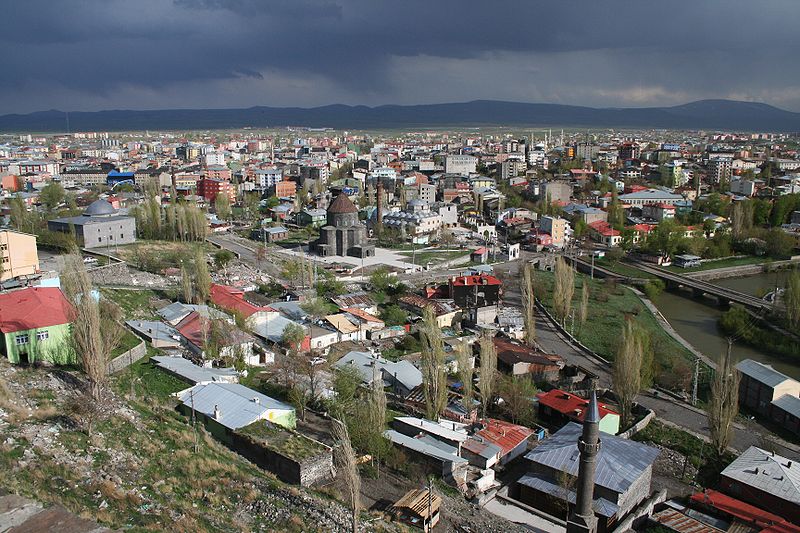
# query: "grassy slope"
x,y
603,327
142,463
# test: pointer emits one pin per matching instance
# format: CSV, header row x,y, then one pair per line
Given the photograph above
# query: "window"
x,y
21,339
42,335
121,235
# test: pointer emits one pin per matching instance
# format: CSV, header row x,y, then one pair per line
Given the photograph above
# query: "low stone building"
x,y
99,226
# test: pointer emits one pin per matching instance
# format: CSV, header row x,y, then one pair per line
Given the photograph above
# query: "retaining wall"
x,y
128,358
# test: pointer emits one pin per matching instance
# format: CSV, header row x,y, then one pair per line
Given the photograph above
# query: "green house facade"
x,y
46,344
35,326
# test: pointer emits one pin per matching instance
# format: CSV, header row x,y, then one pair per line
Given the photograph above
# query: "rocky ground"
x,y
140,467
672,472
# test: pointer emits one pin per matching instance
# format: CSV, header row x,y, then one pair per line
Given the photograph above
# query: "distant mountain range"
x,y
705,114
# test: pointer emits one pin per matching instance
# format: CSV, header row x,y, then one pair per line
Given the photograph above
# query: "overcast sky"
x,y
153,54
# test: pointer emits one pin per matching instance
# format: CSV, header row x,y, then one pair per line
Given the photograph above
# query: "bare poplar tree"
x,y
465,372
345,460
202,279
529,304
488,370
724,404
627,371
87,337
584,312
563,289
376,418
187,287
434,380
791,299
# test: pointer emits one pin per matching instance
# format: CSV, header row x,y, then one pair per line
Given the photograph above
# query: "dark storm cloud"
x,y
222,53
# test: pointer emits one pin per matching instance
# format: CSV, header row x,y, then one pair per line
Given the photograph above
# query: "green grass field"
x,y
609,305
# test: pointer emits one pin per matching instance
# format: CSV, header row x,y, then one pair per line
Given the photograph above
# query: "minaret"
x,y
582,519
379,208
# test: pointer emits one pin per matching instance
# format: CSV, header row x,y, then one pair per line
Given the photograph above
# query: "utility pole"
x,y
695,378
591,272
194,425
430,503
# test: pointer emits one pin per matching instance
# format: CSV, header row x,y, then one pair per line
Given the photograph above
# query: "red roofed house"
x,y
201,333
35,325
481,255
232,300
560,405
602,232
510,438
477,295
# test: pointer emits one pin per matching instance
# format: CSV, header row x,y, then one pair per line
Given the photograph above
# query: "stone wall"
x,y
128,358
305,473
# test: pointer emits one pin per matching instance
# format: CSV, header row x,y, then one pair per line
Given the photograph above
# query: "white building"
x,y
460,164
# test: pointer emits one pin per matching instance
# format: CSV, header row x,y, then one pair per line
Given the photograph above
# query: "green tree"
x,y
51,195
292,336
381,280
627,370
202,279
222,206
393,315
434,380
222,258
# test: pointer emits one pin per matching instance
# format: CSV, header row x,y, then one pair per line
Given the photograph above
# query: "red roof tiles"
x,y
745,512
34,307
570,405
233,300
504,434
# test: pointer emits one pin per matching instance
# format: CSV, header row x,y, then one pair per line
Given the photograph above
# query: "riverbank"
x,y
610,304
742,270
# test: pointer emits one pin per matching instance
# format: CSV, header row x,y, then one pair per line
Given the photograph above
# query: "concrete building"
x,y
556,191
510,169
650,196
99,226
556,227
209,188
344,234
18,255
460,164
719,168
761,386
766,480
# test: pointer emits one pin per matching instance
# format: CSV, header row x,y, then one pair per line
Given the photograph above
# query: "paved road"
x,y
668,409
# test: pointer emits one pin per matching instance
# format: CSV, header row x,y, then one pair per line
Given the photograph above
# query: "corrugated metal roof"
x,y
194,373
543,484
236,403
620,462
788,403
762,373
421,446
677,521
768,472
433,428
404,371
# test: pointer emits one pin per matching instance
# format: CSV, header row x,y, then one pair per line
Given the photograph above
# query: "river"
x,y
696,320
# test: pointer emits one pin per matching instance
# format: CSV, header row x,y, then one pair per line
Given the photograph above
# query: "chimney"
x,y
217,413
256,400
789,464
